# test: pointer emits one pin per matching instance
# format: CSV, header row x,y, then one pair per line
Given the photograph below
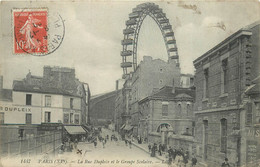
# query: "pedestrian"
x,y
103,142
160,149
170,151
225,163
149,147
125,142
153,150
95,143
186,158
174,153
130,144
193,161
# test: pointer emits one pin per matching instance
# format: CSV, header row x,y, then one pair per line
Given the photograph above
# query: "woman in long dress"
x,y
27,29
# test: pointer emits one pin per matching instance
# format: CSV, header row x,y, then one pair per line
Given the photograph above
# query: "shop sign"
x,y
14,108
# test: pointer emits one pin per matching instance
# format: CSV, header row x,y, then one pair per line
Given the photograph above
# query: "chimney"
x,y
1,81
116,84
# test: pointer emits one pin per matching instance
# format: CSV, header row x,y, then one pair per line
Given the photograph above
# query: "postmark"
x,y
36,31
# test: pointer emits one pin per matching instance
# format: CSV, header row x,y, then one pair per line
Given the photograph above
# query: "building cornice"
x,y
222,45
219,109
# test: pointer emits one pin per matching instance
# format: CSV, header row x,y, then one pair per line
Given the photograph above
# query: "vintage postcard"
x,y
130,83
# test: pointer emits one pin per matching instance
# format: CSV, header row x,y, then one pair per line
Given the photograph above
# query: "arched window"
x,y
188,109
163,126
223,135
179,109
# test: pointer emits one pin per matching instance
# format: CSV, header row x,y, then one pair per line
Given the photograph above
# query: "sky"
x,y
94,30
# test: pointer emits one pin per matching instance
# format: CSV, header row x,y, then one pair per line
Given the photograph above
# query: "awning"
x,y
122,126
128,127
75,130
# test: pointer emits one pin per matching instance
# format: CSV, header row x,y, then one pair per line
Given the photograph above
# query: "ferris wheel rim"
x,y
133,26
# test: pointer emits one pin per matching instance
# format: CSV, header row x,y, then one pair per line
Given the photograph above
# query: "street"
x,y
115,153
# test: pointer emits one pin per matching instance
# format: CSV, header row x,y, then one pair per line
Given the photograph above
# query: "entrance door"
x,y
205,139
28,118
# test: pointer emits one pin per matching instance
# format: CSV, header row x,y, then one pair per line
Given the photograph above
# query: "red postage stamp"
x,y
30,31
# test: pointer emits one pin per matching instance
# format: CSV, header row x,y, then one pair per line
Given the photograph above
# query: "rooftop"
x,y
167,93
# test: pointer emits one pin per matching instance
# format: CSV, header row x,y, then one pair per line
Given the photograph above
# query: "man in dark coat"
x,y
185,158
193,161
225,163
160,149
154,148
149,147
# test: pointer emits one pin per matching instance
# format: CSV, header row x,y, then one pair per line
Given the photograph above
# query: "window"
x,y
223,133
71,103
179,108
71,118
28,99
47,101
66,118
206,83
193,128
224,76
47,117
164,110
76,118
249,114
21,132
2,118
28,118
188,109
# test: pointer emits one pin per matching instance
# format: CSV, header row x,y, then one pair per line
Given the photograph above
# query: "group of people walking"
x,y
176,156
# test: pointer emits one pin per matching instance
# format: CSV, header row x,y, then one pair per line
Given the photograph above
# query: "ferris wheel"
x,y
131,33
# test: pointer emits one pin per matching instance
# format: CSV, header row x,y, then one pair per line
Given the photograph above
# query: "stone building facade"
x,y
150,75
166,115
222,76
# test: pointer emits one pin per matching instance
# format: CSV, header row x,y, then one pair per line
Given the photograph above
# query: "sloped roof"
x,y
20,86
166,93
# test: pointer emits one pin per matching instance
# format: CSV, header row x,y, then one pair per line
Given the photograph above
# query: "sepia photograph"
x,y
103,83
